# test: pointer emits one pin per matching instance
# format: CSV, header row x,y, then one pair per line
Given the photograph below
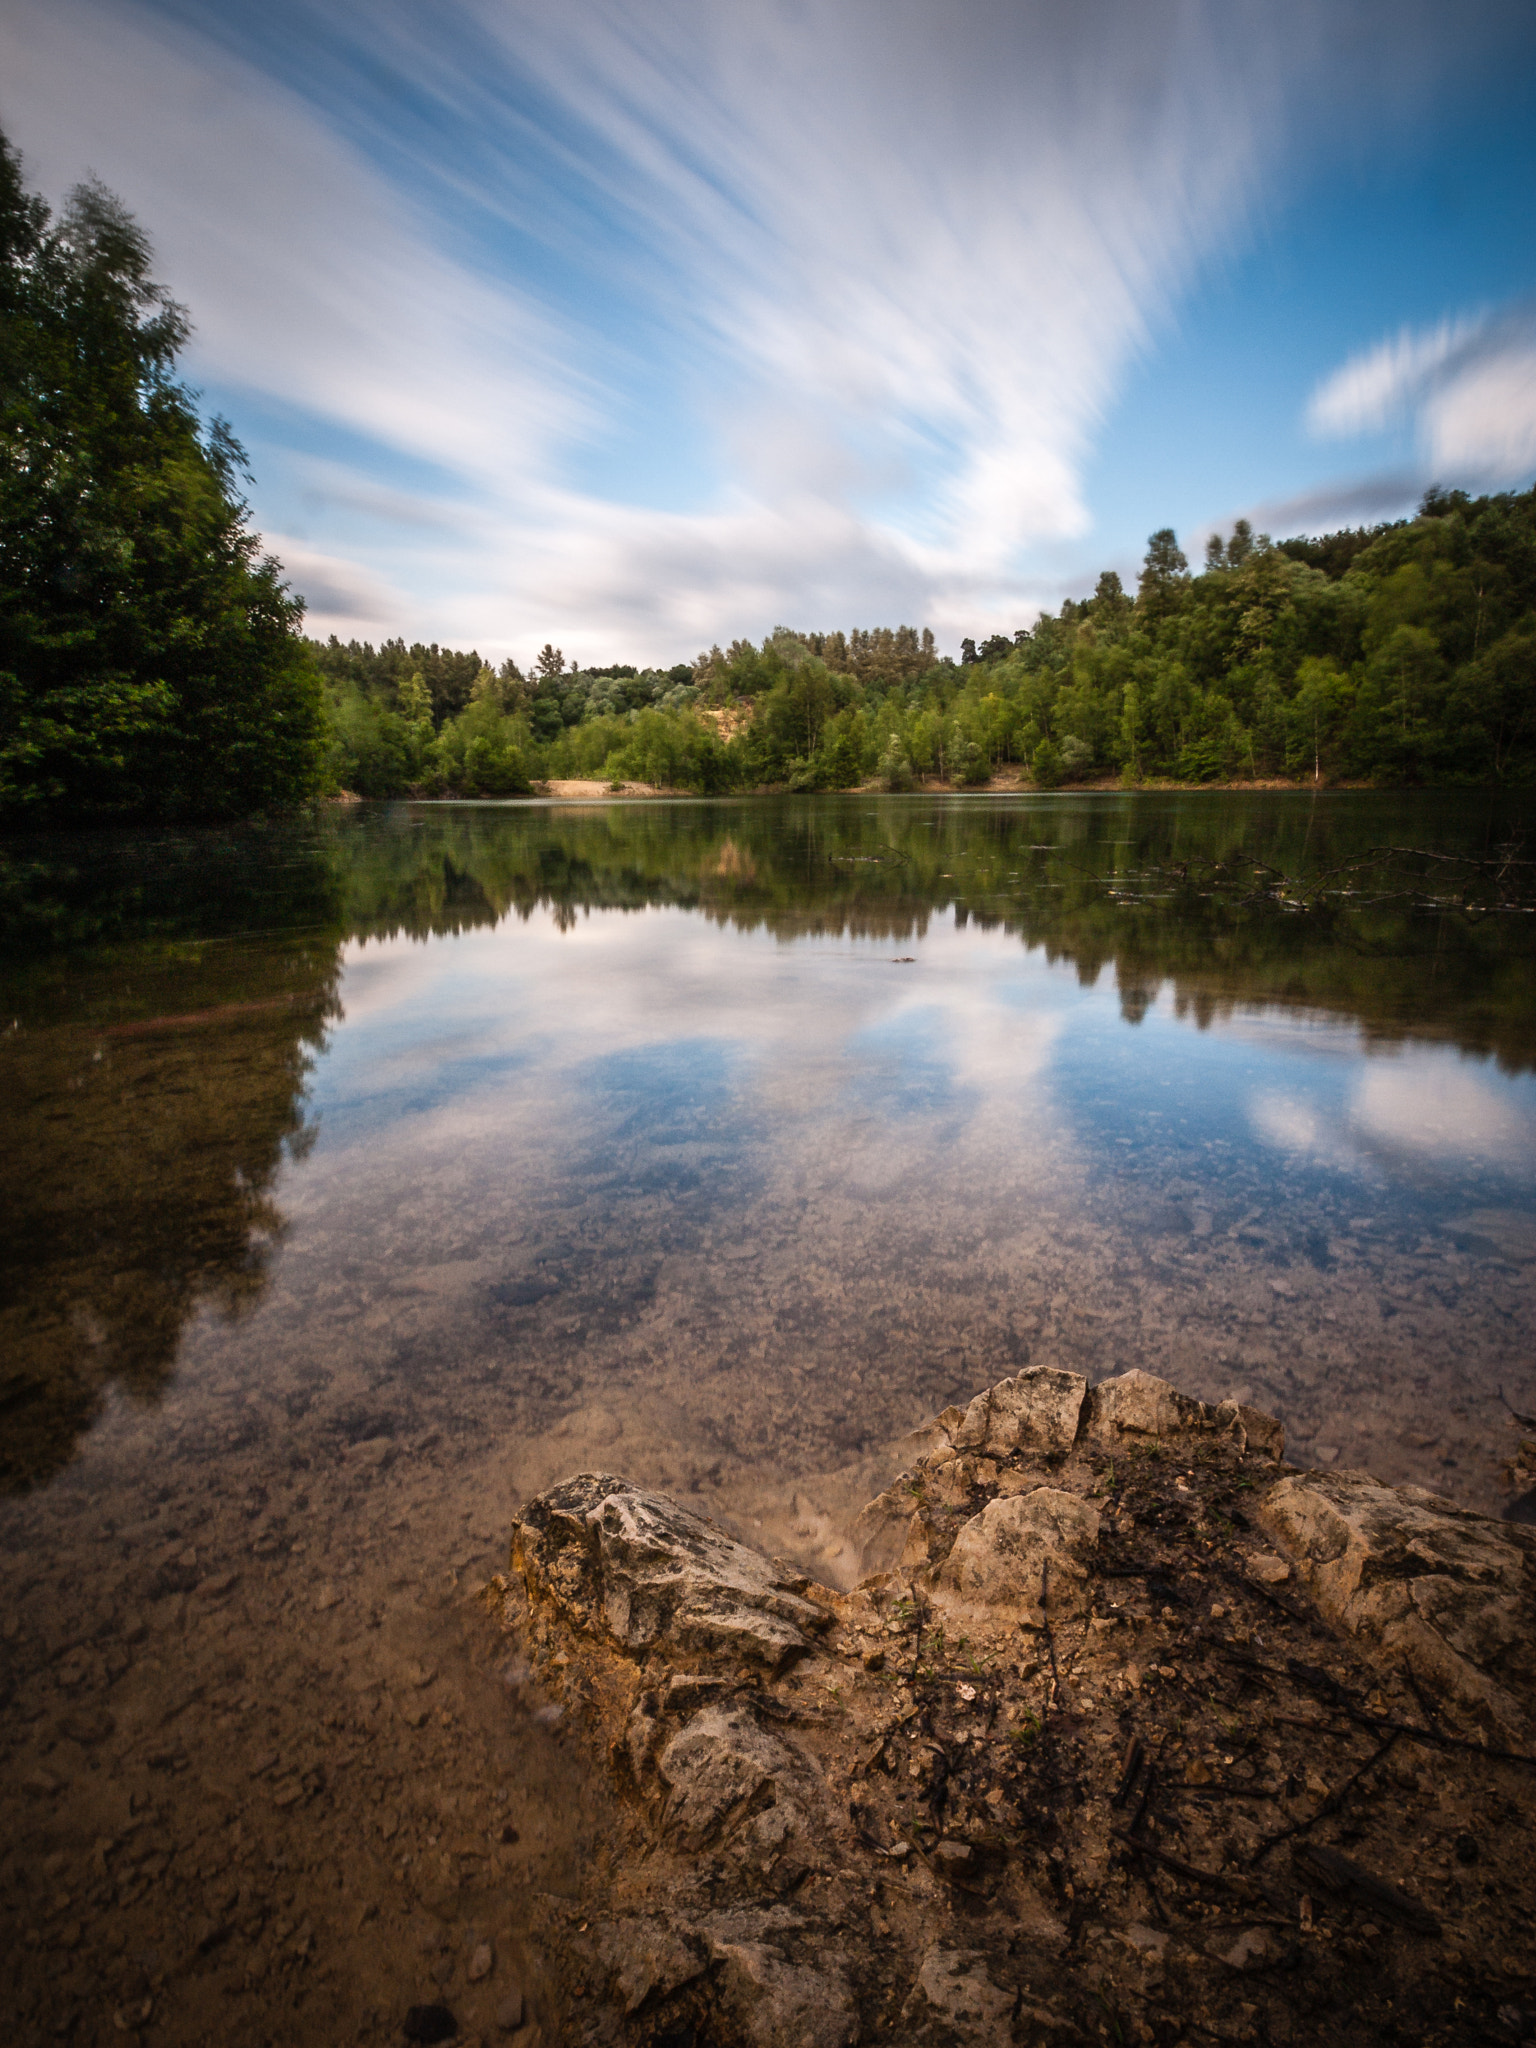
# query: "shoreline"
x,y
563,789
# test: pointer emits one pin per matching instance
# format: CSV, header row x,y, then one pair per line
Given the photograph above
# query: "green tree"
x,y
150,660
1164,573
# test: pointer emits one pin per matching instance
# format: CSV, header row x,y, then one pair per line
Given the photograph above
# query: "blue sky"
x,y
641,326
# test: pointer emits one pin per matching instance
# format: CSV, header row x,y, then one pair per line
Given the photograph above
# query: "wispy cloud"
x,y
1468,386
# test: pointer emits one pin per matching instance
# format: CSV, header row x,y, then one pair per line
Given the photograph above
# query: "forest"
x,y
1400,654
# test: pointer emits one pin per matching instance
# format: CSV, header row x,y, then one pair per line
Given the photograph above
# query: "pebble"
x,y
325,1599
509,2011
481,1963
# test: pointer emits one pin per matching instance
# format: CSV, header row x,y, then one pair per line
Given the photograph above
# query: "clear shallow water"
x,y
759,1131
362,1178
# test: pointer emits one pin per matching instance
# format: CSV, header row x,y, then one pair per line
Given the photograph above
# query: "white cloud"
x,y
1371,389
1438,1109
1468,385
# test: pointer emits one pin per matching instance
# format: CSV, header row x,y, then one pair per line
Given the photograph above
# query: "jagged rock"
x,y
723,1765
939,1434
1253,1429
1037,1412
1015,1549
644,1573
922,1781
955,2000
1450,1593
649,1959
1140,1404
778,2003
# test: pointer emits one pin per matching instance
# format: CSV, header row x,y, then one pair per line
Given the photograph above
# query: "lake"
x,y
365,1175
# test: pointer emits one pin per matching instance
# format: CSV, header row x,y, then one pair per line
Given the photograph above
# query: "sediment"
x,y
1129,1732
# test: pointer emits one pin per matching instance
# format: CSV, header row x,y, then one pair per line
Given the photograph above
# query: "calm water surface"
x,y
362,1178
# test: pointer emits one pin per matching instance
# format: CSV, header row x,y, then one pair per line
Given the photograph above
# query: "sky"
x,y
641,327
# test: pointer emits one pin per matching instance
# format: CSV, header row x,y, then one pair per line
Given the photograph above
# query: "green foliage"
x,y
150,662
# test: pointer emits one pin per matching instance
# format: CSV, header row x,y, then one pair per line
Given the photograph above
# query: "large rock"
x,y
939,1831
1017,1561
642,1572
1140,1404
1449,1593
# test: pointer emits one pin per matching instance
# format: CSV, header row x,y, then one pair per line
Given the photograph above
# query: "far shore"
x,y
576,789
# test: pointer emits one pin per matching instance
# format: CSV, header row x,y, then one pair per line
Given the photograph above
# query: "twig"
x,y
1148,1785
1135,1755
1244,1886
1330,1805
1340,1697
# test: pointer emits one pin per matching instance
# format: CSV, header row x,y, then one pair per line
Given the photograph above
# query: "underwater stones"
x,y
1038,1411
1448,1592
1014,1552
646,1574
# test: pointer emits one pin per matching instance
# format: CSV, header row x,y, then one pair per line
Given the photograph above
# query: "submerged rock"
x,y
1112,1663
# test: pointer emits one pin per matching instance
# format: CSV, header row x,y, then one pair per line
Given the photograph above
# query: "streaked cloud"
x,y
1342,504
1467,385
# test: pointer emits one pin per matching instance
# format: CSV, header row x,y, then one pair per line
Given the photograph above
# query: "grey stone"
x,y
509,2010
1449,1593
723,1766
778,2003
994,1574
644,1573
953,1988
650,1959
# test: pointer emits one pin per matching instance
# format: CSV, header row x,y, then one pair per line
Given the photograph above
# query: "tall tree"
x,y
150,661
1163,575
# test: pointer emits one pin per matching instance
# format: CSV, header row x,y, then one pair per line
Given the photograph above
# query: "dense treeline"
x,y
1403,653
150,660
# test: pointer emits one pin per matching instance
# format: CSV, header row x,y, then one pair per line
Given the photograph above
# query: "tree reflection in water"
x,y
167,996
